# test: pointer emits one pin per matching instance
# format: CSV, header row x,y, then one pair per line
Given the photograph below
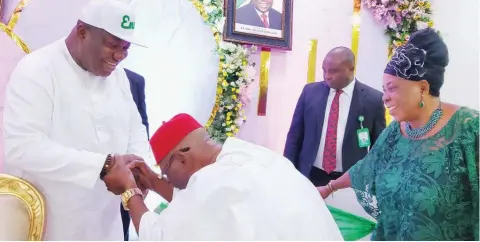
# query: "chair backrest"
x,y
22,210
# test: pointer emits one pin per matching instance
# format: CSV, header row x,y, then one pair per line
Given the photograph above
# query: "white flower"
x,y
228,59
421,25
209,9
206,2
227,46
236,56
220,23
233,48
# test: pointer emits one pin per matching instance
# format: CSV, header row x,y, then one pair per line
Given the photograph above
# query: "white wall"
x,y
458,24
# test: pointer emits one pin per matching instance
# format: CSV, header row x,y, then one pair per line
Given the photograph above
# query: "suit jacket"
x,y
249,16
303,138
137,87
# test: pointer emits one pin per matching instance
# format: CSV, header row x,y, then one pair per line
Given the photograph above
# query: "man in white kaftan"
x,y
67,109
238,191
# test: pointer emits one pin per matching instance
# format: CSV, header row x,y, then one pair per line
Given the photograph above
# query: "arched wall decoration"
x,y
8,28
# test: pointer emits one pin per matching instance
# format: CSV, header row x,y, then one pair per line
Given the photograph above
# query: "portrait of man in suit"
x,y
323,141
259,13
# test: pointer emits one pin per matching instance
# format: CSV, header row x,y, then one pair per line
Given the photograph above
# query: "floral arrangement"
x,y
235,74
401,18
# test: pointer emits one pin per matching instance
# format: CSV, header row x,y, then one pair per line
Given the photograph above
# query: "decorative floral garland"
x,y
401,18
235,74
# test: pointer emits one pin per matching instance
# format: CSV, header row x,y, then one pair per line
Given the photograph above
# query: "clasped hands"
x,y
128,171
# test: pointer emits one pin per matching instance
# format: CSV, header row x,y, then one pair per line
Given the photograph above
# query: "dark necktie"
x,y
265,20
330,150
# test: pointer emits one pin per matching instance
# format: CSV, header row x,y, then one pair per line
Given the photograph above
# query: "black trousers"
x,y
320,178
126,222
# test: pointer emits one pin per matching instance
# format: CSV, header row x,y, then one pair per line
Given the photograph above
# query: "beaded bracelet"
x,y
107,163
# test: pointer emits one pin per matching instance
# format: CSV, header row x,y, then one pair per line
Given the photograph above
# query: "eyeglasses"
x,y
164,172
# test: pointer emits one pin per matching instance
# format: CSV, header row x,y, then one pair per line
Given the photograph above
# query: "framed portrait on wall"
x,y
266,23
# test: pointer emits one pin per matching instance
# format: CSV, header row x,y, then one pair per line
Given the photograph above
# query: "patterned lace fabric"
x,y
423,189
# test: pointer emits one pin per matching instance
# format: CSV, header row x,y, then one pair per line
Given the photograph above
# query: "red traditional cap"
x,y
171,133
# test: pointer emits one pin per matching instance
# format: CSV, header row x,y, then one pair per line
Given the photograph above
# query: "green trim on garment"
x,y
351,226
162,206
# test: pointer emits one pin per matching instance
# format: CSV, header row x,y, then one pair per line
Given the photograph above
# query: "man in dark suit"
x,y
259,13
137,87
322,141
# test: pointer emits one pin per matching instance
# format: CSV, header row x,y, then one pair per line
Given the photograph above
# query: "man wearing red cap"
x,y
238,191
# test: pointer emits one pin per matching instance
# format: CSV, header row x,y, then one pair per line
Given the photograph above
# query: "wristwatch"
x,y
128,194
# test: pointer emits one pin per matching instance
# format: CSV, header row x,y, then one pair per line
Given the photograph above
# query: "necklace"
x,y
422,131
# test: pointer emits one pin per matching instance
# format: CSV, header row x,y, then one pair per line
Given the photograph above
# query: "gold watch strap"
x,y
128,194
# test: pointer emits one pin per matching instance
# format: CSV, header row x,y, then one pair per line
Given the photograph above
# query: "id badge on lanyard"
x,y
363,135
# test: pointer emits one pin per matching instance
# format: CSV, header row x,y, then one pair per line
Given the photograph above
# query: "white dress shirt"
x,y
344,108
250,193
60,123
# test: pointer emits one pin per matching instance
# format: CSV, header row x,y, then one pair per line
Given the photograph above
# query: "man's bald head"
x,y
343,53
195,151
338,67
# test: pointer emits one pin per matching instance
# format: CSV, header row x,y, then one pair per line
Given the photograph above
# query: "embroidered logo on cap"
x,y
126,23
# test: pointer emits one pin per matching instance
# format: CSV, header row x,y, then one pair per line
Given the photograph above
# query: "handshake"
x,y
128,171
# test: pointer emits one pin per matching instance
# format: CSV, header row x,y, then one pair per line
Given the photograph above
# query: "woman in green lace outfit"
x,y
420,179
